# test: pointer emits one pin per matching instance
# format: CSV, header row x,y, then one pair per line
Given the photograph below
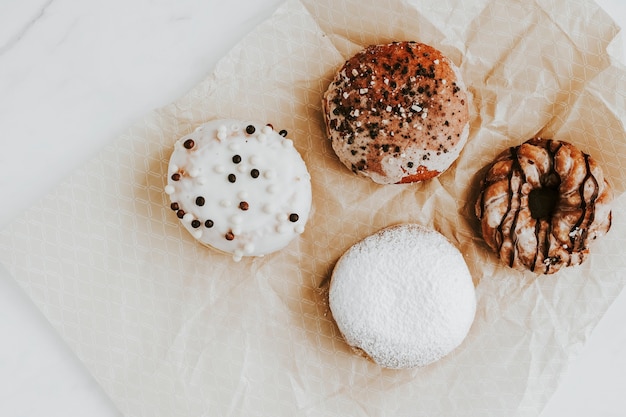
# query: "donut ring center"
x,y
542,202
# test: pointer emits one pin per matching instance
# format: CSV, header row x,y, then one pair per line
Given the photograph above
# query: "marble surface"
x,y
75,74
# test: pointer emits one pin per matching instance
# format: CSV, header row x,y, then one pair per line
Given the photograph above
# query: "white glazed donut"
x,y
239,187
403,296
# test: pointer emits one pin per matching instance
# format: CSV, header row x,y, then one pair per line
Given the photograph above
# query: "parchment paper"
x,y
170,328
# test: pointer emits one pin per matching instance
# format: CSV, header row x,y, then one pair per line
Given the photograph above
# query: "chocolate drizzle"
x,y
566,186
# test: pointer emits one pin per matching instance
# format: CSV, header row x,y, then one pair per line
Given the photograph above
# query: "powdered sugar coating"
x,y
404,296
239,187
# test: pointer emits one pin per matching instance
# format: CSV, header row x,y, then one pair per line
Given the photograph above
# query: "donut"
x,y
239,187
541,204
397,113
403,296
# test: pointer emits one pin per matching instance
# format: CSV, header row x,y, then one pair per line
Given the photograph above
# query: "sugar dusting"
x,y
404,296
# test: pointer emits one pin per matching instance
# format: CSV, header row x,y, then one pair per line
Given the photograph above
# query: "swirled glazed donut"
x,y
403,296
239,187
397,113
542,203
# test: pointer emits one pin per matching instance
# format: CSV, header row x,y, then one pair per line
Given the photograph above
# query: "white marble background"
x,y
74,75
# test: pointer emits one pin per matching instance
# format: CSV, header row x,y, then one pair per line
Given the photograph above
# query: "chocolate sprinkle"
x,y
175,206
283,133
232,177
236,159
175,176
229,235
180,214
254,173
195,224
189,143
244,205
200,201
293,217
250,129
208,224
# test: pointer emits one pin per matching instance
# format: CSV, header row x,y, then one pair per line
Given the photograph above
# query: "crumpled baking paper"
x,y
170,328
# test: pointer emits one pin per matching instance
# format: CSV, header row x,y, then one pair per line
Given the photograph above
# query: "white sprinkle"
x,y
436,61
243,195
358,123
261,137
266,129
299,229
248,247
355,72
219,169
363,91
287,143
386,81
345,94
197,233
356,112
424,115
254,160
389,108
270,174
282,228
221,135
234,128
234,146
236,219
242,168
443,81
237,255
268,208
236,230
225,203
194,172
416,107
188,217
173,168
169,189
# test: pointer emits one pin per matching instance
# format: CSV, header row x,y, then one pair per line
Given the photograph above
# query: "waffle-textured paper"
x,y
171,328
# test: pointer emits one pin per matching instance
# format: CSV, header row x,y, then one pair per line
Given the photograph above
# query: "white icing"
x,y
404,296
256,226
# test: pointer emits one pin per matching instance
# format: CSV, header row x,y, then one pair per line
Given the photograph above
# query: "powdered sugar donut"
x,y
404,296
239,187
397,113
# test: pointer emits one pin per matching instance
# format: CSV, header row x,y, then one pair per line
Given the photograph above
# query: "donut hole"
x,y
542,202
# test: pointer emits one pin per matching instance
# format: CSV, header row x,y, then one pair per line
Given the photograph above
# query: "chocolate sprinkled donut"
x,y
244,215
541,204
397,113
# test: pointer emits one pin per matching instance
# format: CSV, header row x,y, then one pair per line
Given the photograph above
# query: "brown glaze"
x,y
403,101
541,204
